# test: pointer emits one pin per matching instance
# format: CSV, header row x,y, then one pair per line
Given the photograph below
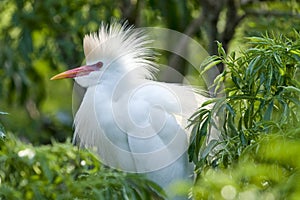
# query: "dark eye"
x,y
98,64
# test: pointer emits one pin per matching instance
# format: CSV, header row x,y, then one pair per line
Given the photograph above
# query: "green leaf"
x,y
2,131
208,102
198,116
295,51
208,149
209,63
230,109
243,138
290,89
277,58
253,67
221,50
193,156
247,117
231,125
268,113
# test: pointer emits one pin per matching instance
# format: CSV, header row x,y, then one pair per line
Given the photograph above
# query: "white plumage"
x,y
133,122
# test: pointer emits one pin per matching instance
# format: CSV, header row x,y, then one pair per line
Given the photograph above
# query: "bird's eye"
x,y
98,64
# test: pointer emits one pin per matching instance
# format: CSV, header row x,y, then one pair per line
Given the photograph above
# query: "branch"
x,y
175,60
267,13
232,21
193,27
130,11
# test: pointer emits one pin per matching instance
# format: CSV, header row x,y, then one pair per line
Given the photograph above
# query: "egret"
x,y
133,122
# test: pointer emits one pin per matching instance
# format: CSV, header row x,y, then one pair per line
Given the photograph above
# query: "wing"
x,y
153,115
172,99
157,138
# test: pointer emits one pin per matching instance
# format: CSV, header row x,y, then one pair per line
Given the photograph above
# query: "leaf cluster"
x,y
39,36
2,129
261,95
62,171
267,170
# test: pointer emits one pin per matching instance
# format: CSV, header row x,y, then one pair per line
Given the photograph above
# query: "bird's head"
x,y
112,52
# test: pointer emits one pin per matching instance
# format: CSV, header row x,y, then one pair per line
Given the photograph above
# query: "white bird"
x,y
133,122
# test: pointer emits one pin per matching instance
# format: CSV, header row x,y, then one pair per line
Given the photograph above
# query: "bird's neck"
x,y
120,75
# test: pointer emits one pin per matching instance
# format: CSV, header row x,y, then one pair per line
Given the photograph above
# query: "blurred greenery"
x,y
269,169
62,171
42,38
257,158
2,129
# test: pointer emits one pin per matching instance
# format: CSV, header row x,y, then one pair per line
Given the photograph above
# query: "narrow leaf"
x,y
211,145
268,113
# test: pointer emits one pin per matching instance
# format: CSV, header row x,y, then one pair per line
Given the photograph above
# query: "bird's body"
x,y
125,146
134,123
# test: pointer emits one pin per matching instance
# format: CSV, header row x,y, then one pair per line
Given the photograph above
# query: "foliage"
x,y
42,34
274,16
46,35
2,129
261,95
62,171
267,170
37,35
41,38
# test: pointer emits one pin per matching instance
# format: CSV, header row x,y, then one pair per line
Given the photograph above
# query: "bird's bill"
x,y
79,71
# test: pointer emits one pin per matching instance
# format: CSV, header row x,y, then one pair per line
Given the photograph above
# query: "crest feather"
x,y
115,41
